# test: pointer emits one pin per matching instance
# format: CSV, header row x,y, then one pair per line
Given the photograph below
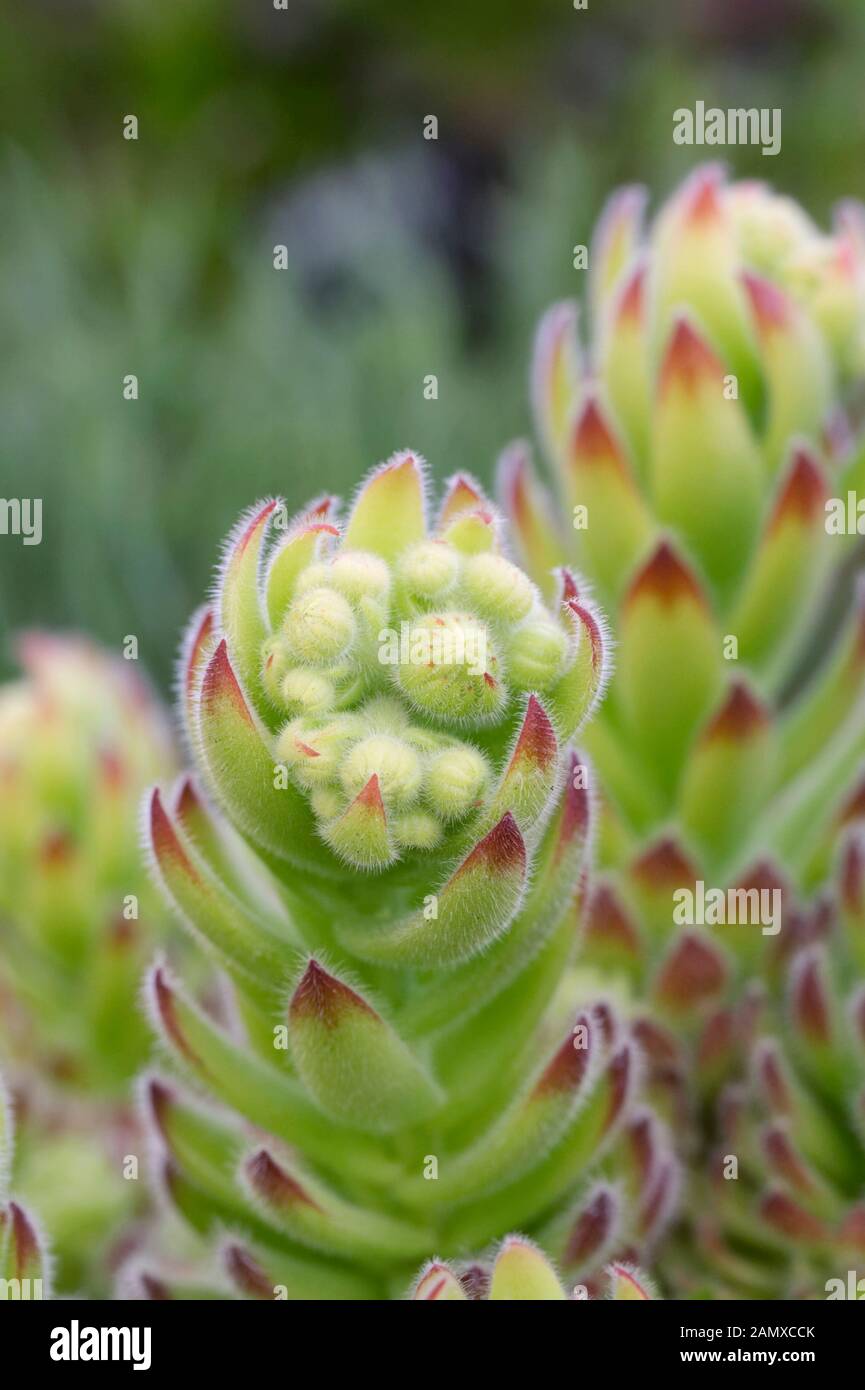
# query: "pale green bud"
x,y
497,588
358,574
417,830
455,780
385,715
397,765
315,576
452,671
536,654
307,690
429,569
319,626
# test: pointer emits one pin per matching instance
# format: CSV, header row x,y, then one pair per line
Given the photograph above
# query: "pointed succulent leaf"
x,y
783,585
23,1255
353,1063
437,1283
265,1095
619,527
296,552
531,515
615,244
707,474
522,1271
695,261
474,908
666,626
389,510
557,372
309,1212
628,1283
243,944
238,605
244,772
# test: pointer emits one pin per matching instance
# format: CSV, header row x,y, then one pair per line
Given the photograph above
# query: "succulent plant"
x,y
80,737
694,447
520,1271
381,851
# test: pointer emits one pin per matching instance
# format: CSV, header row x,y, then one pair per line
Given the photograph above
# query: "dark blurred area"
x,y
304,126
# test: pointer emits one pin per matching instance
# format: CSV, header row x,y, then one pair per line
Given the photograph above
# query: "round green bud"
x,y
417,830
769,228
319,626
358,574
536,654
308,690
315,576
449,669
384,715
455,780
429,569
397,766
497,588
424,740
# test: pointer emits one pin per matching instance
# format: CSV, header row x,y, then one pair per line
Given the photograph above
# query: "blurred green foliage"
x,y
407,257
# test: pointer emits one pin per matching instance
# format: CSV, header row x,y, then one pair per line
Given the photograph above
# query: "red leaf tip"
x,y
273,1183
740,716
593,441
803,493
323,997
769,303
503,850
693,971
666,577
688,361
221,682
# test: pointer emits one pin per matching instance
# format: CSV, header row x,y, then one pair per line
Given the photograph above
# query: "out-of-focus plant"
x,y
694,444
80,736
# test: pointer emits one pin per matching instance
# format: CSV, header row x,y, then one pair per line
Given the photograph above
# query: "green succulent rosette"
x,y
381,849
703,439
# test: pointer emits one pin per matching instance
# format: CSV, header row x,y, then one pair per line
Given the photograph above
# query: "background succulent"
x,y
383,713
693,446
80,736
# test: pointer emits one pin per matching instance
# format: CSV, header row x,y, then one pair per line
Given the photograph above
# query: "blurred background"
x,y
304,126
